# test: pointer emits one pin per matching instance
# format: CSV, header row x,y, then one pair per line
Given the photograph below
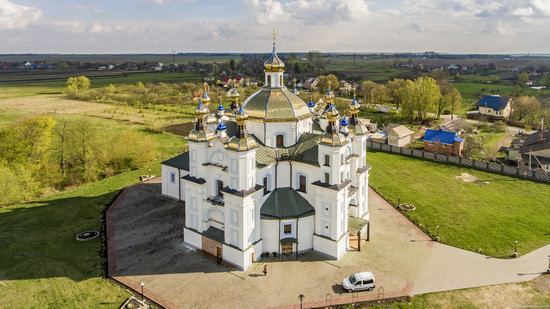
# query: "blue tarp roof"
x,y
440,136
493,101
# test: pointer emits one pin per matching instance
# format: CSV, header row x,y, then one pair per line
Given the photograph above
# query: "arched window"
x,y
280,141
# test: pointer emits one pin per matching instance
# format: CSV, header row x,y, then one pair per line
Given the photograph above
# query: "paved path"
x,y
145,245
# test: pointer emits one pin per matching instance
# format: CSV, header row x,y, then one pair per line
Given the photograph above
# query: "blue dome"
x,y
201,106
220,107
241,110
221,126
354,101
344,122
311,104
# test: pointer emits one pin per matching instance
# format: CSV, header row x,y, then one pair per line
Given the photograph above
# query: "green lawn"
x,y
42,263
56,85
472,216
533,293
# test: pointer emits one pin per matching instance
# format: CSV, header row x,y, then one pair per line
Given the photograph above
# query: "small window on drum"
x,y
280,141
287,229
303,183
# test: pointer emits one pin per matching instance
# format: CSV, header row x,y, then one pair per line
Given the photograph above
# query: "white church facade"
x,y
274,174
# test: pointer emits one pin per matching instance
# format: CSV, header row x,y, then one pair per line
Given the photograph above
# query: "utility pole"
x,y
353,59
174,56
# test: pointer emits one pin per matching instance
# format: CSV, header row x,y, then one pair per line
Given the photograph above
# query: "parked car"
x,y
359,282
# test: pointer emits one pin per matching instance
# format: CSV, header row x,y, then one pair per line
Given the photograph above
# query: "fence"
x,y
519,172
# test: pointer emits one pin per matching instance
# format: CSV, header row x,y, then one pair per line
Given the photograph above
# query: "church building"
x,y
273,174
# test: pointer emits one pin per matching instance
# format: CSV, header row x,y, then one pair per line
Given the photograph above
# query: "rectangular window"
x,y
219,188
342,159
172,177
327,160
287,229
266,185
327,178
302,183
280,141
342,177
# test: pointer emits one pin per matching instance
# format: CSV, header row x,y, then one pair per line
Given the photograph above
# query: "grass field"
x,y
42,263
535,293
57,86
472,216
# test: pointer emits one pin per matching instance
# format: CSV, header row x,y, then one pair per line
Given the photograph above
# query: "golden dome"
x,y
276,105
334,139
274,63
242,144
204,135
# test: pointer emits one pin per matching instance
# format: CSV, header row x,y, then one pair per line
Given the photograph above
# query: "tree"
x,y
428,95
77,84
232,65
546,79
454,101
394,88
297,69
523,78
527,108
323,82
367,88
407,97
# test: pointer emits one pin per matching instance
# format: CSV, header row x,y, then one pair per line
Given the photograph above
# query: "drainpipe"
x,y
179,184
290,163
279,238
276,173
297,225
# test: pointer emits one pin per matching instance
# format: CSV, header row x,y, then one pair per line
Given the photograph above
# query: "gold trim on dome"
x,y
204,135
276,105
335,139
242,144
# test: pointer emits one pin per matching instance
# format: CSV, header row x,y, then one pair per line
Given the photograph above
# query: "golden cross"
x,y
274,34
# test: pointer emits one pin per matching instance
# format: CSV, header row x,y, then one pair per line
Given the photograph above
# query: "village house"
x,y
495,106
274,175
398,135
444,142
532,151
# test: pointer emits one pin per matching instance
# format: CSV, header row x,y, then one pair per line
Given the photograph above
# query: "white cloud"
x,y
15,16
308,11
525,12
543,6
99,28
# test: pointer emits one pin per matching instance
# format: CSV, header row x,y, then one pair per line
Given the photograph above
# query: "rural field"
x,y
534,293
46,266
488,214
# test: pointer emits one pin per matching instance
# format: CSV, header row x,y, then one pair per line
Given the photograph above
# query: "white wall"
x,y
306,228
238,258
170,188
270,232
192,238
325,246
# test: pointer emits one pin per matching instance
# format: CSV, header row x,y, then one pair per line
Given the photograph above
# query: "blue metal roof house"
x,y
495,106
440,141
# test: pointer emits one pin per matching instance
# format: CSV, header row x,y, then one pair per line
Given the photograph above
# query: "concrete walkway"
x,y
145,245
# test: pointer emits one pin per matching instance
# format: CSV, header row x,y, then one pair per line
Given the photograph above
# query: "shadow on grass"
x,y
38,239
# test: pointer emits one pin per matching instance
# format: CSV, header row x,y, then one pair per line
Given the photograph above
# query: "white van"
x,y
359,282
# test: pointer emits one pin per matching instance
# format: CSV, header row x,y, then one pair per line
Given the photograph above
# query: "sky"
x,y
162,26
